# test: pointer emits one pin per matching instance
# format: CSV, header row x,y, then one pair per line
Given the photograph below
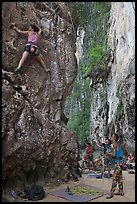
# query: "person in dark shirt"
x,y
107,159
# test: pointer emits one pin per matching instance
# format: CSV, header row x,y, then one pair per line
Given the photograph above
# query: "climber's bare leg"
x,y
22,60
40,59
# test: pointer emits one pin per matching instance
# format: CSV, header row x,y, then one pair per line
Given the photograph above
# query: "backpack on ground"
x,y
35,192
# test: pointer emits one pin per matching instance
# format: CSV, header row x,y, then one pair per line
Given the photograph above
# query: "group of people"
x,y
112,152
103,159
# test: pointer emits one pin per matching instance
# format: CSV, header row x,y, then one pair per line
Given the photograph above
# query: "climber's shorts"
x,y
28,49
107,161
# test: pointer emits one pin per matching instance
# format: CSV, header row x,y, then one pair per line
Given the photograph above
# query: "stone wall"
x,y
36,141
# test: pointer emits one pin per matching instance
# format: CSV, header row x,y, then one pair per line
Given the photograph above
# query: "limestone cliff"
x,y
113,105
106,60
36,141
37,144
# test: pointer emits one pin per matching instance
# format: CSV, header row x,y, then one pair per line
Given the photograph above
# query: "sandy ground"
x,y
104,183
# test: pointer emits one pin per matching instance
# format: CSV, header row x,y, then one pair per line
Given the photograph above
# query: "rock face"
x,y
121,91
36,142
113,106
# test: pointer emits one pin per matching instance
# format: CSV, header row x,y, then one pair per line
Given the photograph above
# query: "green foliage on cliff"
x,y
78,109
98,39
95,59
79,121
120,111
93,17
83,16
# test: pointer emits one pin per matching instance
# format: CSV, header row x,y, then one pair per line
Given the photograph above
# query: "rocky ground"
x,y
104,183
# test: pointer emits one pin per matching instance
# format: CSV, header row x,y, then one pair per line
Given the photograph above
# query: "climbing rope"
x,y
69,13
71,21
53,10
68,10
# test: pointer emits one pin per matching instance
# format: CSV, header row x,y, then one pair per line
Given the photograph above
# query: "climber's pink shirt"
x,y
33,37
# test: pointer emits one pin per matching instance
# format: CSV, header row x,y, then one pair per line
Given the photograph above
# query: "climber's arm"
x,y
20,31
40,30
39,33
13,26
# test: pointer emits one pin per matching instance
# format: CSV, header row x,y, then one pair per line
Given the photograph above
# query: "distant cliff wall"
x,y
113,104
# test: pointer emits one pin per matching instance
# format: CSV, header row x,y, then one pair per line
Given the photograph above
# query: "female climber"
x,y
31,47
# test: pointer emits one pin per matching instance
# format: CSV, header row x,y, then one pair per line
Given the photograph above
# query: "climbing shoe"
x,y
17,69
47,70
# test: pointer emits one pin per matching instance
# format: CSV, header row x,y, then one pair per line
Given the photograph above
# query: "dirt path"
x,y
105,183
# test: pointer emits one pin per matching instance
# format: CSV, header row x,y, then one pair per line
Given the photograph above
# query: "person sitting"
x,y
89,155
131,158
98,161
84,160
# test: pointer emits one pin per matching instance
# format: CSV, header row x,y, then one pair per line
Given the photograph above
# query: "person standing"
x,y
89,155
106,159
117,175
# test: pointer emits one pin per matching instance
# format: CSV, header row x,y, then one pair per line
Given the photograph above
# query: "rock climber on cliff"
x,y
31,47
